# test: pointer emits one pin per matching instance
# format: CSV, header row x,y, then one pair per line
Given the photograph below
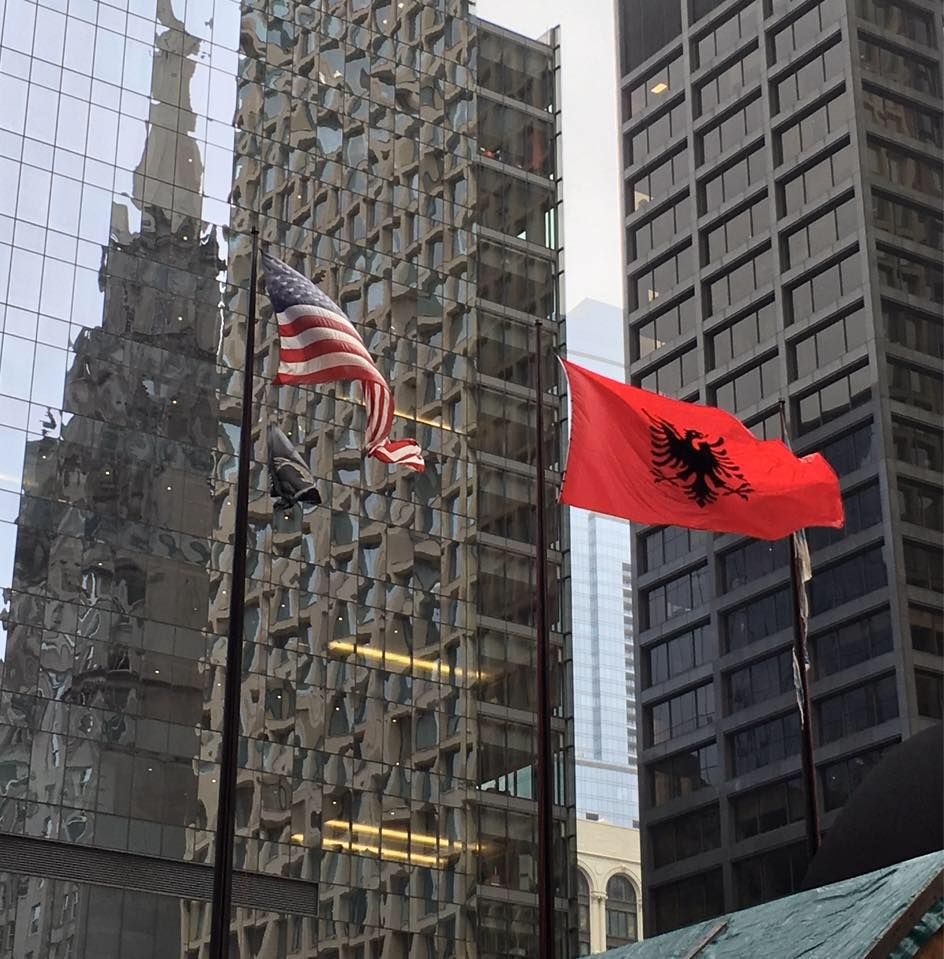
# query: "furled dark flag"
x,y
651,459
289,475
319,344
804,572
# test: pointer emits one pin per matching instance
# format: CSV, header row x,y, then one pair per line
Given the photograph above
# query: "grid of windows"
x,y
809,79
846,580
731,181
806,28
929,693
671,376
754,620
739,283
851,643
897,116
737,229
916,387
657,182
662,329
686,836
675,597
765,743
828,343
813,181
899,166
749,387
667,544
681,714
833,400
654,89
730,131
908,220
743,335
651,137
916,330
661,278
770,875
725,36
759,681
840,779
927,629
824,287
904,68
910,275
659,229
921,504
803,134
924,566
675,656
901,17
729,82
855,709
683,773
819,233
768,807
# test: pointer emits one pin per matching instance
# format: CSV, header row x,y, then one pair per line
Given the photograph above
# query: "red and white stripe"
x,y
318,345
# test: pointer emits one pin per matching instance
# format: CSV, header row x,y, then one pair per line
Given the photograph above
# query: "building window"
x,y
905,169
765,743
836,398
668,544
731,131
686,836
660,279
900,17
862,508
847,579
620,912
929,691
688,900
852,643
583,915
851,451
646,26
898,117
658,85
810,185
809,79
681,714
733,180
921,504
729,83
855,709
918,444
828,343
911,275
768,808
917,387
743,335
826,286
906,69
841,779
757,619
754,560
749,387
672,375
739,283
683,773
676,596
913,329
924,566
652,136
678,655
725,36
908,220
805,133
660,229
927,629
745,225
807,28
817,235
664,328
657,182
770,875
761,681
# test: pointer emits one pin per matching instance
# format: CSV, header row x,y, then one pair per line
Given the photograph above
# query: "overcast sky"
x,y
592,252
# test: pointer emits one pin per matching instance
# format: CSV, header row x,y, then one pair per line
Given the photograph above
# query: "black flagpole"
x,y
801,658
226,808
545,792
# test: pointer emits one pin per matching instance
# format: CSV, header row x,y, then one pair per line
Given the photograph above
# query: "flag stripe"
x,y
319,344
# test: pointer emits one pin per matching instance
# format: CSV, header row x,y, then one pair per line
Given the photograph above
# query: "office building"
x,y
601,614
403,155
783,188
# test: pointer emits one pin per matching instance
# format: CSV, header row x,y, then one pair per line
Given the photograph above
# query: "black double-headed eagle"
x,y
686,458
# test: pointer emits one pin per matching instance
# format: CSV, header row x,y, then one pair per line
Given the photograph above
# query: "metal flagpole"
x,y
226,809
801,677
545,790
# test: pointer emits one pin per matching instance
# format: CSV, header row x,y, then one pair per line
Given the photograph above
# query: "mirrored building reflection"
x,y
404,155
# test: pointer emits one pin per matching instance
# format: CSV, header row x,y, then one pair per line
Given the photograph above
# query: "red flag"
x,y
652,459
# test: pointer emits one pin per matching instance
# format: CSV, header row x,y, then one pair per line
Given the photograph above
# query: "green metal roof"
x,y
888,908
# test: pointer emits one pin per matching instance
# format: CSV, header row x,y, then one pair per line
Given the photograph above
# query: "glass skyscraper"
x,y
403,155
601,614
783,188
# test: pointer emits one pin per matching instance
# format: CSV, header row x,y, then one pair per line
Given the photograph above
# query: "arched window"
x,y
583,915
620,912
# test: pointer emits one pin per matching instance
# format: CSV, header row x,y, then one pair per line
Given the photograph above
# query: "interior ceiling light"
x,y
660,87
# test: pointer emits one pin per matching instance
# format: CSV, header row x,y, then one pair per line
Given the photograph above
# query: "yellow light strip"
x,y
401,854
423,839
400,659
426,422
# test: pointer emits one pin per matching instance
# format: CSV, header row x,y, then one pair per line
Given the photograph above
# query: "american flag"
x,y
319,344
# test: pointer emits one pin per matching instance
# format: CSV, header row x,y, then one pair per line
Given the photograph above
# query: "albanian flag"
x,y
651,459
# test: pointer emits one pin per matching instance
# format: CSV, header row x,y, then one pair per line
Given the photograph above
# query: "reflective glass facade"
x,y
403,155
601,614
783,193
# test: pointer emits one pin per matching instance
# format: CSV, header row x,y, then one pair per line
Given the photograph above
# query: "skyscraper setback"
x,y
783,188
404,156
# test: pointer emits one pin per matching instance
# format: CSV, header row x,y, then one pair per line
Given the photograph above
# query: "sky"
x,y
591,176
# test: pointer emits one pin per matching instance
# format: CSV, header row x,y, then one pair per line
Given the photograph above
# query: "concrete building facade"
x,y
783,236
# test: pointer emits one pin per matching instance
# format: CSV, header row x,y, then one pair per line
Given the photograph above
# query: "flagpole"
x,y
229,759
544,784
801,658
